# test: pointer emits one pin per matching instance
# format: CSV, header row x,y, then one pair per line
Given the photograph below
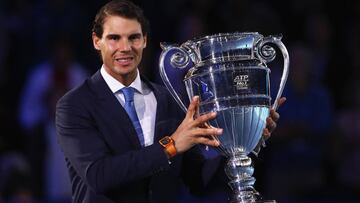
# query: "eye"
x,y
135,37
113,37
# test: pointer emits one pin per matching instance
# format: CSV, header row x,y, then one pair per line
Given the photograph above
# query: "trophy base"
x,y
251,201
249,197
257,201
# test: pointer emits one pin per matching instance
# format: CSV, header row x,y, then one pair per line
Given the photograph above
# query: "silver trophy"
x,y
229,72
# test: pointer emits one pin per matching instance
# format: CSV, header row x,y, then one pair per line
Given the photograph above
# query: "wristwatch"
x,y
169,145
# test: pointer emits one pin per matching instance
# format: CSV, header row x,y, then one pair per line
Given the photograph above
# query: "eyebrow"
x,y
109,36
136,34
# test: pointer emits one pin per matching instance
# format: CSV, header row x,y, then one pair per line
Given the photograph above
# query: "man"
x,y
111,158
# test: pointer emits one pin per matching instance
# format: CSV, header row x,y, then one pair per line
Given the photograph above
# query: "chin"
x,y
125,71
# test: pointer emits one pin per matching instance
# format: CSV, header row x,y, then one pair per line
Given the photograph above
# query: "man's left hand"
x,y
272,119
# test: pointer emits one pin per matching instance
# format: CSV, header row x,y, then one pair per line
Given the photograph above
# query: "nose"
x,y
124,45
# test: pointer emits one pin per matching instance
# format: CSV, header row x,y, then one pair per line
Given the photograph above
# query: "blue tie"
x,y
130,109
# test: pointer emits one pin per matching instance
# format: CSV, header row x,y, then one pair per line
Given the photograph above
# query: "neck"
x,y
127,79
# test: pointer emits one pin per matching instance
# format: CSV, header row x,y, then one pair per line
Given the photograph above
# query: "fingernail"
x,y
220,131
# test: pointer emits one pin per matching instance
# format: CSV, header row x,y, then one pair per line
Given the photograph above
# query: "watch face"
x,y
165,140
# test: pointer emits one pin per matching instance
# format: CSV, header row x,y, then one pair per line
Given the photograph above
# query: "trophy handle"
x,y
267,53
173,58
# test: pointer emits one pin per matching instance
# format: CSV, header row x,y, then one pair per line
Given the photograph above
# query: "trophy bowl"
x,y
229,73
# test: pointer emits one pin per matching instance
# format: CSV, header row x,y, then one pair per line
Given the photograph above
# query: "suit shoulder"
x,y
76,95
171,102
158,87
163,91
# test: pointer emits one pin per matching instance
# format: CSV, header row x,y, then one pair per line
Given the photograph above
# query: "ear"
x,y
96,41
145,40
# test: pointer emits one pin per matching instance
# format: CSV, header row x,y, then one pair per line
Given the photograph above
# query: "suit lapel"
x,y
108,104
161,107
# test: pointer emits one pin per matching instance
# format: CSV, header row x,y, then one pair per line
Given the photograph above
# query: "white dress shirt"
x,y
144,100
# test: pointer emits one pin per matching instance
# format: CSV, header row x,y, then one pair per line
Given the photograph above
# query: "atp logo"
x,y
241,82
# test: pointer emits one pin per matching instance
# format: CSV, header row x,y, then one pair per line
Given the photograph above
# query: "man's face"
x,y
121,47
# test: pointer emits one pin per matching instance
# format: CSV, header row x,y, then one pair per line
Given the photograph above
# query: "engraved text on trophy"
x,y
241,82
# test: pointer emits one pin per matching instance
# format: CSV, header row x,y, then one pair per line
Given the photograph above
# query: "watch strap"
x,y
169,146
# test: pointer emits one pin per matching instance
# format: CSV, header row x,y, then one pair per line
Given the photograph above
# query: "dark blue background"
x,y
313,156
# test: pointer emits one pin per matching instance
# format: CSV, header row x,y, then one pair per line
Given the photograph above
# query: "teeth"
x,y
124,59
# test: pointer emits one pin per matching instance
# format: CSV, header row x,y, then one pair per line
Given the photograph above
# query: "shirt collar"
x,y
115,85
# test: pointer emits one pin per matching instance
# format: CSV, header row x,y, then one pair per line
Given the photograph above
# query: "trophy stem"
x,y
240,171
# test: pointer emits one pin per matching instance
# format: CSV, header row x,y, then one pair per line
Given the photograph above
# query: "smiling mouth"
x,y
124,60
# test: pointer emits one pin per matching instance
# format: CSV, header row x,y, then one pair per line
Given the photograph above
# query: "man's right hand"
x,y
194,131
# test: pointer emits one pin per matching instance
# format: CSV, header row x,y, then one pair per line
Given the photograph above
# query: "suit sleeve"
x,y
84,146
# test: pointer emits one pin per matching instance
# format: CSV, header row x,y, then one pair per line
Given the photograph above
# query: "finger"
x,y
197,107
274,115
208,141
270,124
199,121
281,101
278,103
192,107
208,131
206,125
266,133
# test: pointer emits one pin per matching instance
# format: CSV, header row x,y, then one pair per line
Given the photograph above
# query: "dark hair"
x,y
122,8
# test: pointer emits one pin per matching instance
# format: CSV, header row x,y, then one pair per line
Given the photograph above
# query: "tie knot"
x,y
128,94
